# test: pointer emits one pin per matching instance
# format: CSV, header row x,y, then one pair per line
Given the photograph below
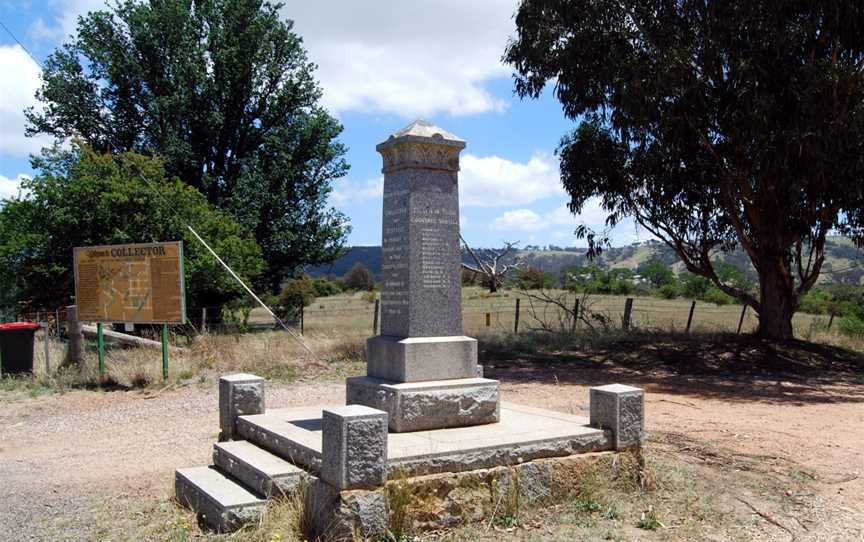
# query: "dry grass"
x,y
274,355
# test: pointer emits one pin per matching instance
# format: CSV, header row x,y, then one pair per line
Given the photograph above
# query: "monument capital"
x,y
421,145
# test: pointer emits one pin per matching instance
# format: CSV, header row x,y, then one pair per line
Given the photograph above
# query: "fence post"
x,y
46,328
628,308
575,314
830,321
76,338
516,321
302,316
488,319
741,320
375,317
690,318
57,322
204,320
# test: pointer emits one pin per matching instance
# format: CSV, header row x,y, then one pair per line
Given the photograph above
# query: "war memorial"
x,y
423,421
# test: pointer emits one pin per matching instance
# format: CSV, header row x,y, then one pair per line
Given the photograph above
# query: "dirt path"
x,y
62,457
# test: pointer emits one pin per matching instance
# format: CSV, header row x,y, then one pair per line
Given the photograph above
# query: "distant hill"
x,y
843,262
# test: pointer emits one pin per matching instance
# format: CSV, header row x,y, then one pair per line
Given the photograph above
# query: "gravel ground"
x,y
63,458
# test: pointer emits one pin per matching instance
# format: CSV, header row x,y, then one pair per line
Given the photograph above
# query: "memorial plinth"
x,y
422,369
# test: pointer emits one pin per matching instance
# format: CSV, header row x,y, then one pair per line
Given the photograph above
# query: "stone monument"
x,y
422,370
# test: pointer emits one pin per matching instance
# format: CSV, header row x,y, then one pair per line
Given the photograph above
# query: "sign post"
x,y
100,348
131,284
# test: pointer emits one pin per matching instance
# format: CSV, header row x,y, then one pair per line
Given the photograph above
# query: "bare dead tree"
x,y
492,269
554,311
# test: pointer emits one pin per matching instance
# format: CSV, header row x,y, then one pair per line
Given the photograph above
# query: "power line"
x,y
171,206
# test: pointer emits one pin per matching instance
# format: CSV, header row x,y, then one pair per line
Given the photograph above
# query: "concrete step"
x,y
221,503
258,469
295,441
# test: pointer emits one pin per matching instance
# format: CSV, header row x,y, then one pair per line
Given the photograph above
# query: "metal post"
x,y
302,317
375,317
741,320
100,347
628,308
516,322
690,318
164,351
575,314
204,320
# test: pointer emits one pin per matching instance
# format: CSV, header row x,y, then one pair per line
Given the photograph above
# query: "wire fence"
x,y
504,312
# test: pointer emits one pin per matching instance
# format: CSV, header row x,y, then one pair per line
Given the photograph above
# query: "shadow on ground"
x,y
725,366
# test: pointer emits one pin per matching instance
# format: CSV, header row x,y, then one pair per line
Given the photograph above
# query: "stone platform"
x,y
523,434
342,460
433,404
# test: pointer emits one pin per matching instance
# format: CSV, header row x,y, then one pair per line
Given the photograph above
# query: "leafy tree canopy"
x,y
712,124
82,197
224,91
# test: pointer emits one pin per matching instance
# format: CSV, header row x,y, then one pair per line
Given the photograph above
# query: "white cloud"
x,y
413,58
18,87
65,23
493,181
351,192
9,188
417,58
519,220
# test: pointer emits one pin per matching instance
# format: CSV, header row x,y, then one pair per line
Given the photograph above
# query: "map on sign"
x,y
141,283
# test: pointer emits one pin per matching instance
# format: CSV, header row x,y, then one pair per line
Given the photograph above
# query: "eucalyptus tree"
x,y
713,124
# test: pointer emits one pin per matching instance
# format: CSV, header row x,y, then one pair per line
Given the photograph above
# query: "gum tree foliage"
x,y
81,197
223,91
713,124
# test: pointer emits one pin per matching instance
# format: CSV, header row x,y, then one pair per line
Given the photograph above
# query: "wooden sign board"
x,y
140,283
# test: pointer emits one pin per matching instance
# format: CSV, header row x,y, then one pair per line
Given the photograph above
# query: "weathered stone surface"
x,y
346,515
622,410
239,394
421,294
429,405
218,502
258,469
354,447
289,440
418,359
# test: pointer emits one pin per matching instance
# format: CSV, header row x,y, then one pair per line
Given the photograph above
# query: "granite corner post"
x,y
620,409
240,394
422,355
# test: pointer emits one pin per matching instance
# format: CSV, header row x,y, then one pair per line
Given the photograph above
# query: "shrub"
x,y
322,287
359,278
295,294
717,296
852,326
668,291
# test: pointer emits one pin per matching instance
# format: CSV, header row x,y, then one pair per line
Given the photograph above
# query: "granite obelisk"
x,y
422,370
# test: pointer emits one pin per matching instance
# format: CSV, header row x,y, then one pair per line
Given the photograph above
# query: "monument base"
x,y
418,359
438,404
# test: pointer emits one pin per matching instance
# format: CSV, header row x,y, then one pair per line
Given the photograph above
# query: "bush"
x,y
295,294
322,287
668,291
852,326
359,278
717,296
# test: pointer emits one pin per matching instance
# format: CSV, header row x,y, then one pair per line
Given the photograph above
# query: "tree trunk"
x,y
778,301
493,285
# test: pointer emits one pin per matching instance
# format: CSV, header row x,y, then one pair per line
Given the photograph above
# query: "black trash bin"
x,y
16,347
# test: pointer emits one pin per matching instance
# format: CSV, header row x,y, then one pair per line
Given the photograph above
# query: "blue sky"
x,y
381,64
